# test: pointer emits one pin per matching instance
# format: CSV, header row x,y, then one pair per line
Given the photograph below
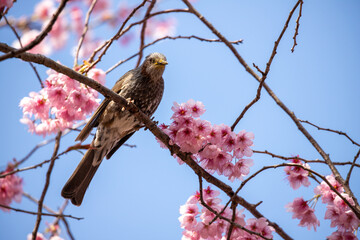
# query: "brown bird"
x,y
144,87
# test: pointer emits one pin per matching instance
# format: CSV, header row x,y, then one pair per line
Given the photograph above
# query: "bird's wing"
x,y
118,145
93,122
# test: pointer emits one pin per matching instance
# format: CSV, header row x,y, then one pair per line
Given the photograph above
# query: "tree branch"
x,y
330,130
351,168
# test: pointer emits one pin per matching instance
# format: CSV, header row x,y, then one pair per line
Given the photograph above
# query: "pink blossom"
x,y
100,6
44,10
188,222
191,209
244,166
39,236
196,108
202,127
338,235
98,75
6,3
341,215
190,235
309,219
56,237
214,146
325,191
28,37
77,22
244,139
260,226
229,142
297,176
10,189
180,110
302,211
59,33
57,106
161,28
209,193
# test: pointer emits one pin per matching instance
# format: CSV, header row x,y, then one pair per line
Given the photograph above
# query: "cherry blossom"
x,y
301,210
196,223
39,236
6,3
10,188
215,147
27,37
297,176
62,102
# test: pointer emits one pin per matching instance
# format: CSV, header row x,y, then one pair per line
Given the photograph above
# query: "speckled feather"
x,y
143,86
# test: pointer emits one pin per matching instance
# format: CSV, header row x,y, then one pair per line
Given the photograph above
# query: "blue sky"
x,y
137,194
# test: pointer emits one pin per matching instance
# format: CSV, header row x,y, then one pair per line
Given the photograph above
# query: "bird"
x,y
143,86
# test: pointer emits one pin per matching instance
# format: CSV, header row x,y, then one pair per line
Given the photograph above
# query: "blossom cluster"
x,y
195,220
10,188
296,175
214,146
338,212
71,22
58,105
5,3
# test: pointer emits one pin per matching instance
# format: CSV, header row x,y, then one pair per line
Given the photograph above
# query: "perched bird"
x,y
144,87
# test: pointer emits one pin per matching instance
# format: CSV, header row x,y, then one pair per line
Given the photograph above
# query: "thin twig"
x,y
109,42
331,130
31,198
121,32
297,26
303,159
143,30
25,169
38,38
67,226
86,27
19,39
47,183
247,107
61,210
171,38
36,213
351,168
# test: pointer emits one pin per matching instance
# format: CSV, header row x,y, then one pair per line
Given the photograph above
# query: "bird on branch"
x,y
143,86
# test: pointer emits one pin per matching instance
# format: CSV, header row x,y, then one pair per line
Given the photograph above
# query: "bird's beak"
x,y
161,62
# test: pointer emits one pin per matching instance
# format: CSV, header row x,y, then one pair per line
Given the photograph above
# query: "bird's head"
x,y
154,65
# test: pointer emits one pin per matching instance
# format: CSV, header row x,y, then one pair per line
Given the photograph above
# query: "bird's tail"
x,y
79,181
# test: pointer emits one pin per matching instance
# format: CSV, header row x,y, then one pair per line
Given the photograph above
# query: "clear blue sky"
x,y
137,194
